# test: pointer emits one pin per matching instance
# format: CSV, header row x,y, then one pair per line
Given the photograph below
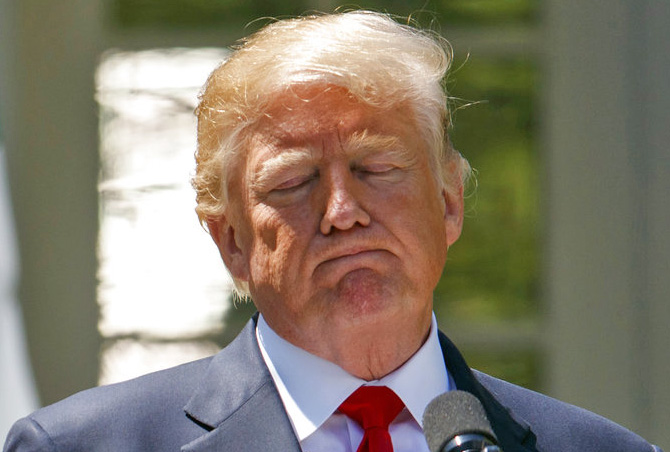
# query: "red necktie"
x,y
373,408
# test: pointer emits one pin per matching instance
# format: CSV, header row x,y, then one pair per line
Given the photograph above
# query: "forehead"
x,y
318,118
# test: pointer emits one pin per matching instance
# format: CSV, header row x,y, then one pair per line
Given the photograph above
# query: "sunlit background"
x,y
161,287
559,273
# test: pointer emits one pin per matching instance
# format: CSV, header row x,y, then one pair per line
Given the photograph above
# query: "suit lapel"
x,y
237,403
240,409
514,434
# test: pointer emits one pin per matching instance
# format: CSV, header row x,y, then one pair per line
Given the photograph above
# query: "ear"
x,y
453,214
224,235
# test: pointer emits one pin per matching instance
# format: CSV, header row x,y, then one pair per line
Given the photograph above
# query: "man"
x,y
328,184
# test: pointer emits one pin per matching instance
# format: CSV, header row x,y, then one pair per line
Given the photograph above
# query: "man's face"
x,y
339,225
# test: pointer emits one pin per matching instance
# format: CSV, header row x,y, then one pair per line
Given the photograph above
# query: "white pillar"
x,y
50,51
17,386
608,209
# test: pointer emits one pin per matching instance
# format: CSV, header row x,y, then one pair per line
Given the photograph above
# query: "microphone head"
x,y
454,413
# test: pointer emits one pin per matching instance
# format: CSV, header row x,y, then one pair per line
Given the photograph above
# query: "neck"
x,y
374,362
371,353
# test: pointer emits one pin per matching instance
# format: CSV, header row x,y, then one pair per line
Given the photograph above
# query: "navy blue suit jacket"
x,y
229,403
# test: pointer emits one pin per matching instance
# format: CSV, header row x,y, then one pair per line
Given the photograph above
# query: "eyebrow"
x,y
360,144
285,160
357,146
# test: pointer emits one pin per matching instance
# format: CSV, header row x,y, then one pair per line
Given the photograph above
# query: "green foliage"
x,y
172,14
522,367
493,270
459,12
487,12
204,13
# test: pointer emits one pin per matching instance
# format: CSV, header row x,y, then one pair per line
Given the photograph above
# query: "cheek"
x,y
273,248
266,229
418,217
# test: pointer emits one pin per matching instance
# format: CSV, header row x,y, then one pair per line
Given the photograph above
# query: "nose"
x,y
343,209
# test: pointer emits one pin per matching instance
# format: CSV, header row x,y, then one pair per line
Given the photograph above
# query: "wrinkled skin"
x,y
340,228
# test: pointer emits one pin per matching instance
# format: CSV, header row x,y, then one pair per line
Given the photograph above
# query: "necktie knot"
x,y
373,408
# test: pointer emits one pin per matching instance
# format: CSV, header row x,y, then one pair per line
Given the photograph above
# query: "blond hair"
x,y
379,61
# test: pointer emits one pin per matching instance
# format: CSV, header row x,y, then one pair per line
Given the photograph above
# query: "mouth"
x,y
349,253
352,259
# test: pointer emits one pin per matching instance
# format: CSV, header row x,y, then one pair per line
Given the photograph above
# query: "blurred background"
x,y
560,281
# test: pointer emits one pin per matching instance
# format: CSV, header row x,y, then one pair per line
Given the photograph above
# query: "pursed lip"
x,y
354,255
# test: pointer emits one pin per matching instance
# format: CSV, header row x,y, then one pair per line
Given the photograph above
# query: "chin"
x,y
363,296
364,284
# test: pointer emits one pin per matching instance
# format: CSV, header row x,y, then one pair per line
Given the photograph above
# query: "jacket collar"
x,y
514,434
239,406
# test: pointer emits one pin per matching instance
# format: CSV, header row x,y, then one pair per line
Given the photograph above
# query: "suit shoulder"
x,y
27,435
168,387
111,412
555,422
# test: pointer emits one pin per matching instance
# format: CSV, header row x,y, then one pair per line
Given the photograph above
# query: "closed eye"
x,y
384,162
377,168
294,183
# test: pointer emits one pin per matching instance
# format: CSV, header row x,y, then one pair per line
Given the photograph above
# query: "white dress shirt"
x,y
312,389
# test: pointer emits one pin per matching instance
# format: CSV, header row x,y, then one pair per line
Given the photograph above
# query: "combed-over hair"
x,y
379,61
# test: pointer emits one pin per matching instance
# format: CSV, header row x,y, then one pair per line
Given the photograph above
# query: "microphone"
x,y
456,422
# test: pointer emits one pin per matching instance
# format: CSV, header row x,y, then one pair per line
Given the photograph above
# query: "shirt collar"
x,y
301,377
